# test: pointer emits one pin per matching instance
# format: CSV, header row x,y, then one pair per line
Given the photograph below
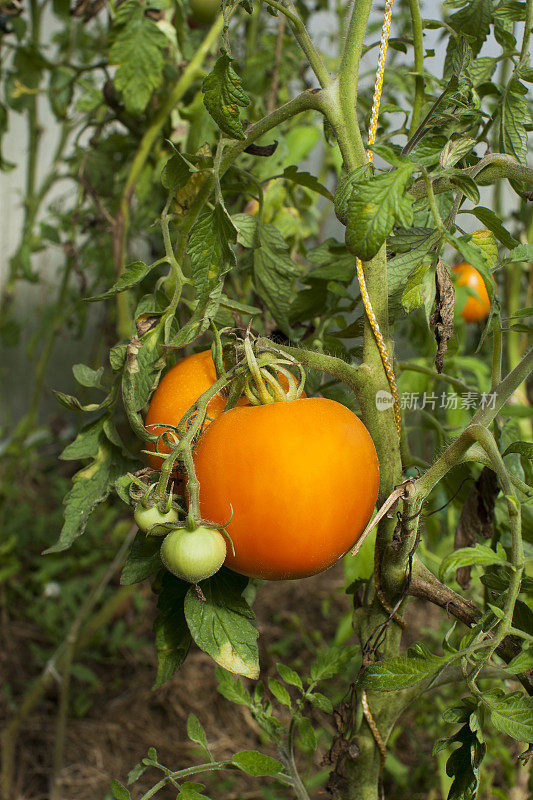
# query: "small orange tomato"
x,y
299,480
476,308
177,391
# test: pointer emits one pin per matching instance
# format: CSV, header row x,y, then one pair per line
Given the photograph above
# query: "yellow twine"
x,y
375,730
382,347
379,336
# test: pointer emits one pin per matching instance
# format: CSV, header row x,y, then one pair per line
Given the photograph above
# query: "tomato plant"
x,y
311,207
477,306
279,471
193,555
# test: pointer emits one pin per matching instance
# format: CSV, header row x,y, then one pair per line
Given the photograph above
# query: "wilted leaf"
x,y
443,317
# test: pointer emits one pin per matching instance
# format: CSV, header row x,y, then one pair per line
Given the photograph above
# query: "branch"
x,y
404,366
425,586
418,44
491,168
302,37
483,417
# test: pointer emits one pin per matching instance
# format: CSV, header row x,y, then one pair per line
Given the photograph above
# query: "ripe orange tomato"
x,y
300,478
177,391
476,308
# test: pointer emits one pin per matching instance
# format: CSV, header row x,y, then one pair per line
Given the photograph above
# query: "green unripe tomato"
x,y
149,519
205,11
193,555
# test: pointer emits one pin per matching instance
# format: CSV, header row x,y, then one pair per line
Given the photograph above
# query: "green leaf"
x,y
210,249
464,763
522,252
473,21
224,97
411,248
293,174
138,53
331,661
212,257
247,230
143,559
466,185
172,637
176,173
274,274
344,191
524,448
86,443
190,790
132,275
61,90
135,773
119,791
510,10
196,732
523,662
401,672
321,701
419,287
241,308
232,689
481,69
289,676
87,376
90,486
117,357
306,733
473,254
375,205
511,714
455,150
221,624
73,404
480,555
279,691
257,764
334,262
493,223
514,116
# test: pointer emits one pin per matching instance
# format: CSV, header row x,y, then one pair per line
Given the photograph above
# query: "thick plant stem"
x,y
348,77
120,233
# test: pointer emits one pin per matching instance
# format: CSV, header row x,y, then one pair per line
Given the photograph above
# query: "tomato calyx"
x,y
194,555
269,380
155,518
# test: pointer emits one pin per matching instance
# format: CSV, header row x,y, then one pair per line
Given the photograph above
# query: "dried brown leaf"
x,y
442,318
